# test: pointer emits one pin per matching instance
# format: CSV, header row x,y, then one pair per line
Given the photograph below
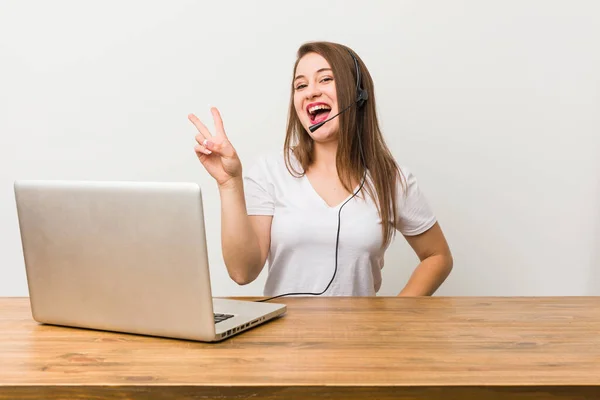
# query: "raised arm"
x,y
245,240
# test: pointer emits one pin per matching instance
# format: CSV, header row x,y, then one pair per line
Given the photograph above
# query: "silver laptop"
x,y
126,257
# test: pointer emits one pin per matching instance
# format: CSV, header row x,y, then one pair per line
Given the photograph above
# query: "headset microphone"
x,y
320,124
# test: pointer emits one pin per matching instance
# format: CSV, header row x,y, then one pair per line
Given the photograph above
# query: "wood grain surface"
x,y
382,347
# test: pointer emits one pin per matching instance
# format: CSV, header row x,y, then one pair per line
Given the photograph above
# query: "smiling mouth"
x,y
318,112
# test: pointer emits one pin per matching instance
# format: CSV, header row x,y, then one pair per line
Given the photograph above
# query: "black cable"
x,y
362,96
337,239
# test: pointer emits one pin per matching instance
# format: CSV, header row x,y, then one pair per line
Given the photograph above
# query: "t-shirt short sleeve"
x,y
414,214
259,190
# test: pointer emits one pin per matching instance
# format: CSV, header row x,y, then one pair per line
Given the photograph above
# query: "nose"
x,y
312,91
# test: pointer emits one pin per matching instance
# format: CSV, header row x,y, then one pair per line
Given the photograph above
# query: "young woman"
x,y
323,212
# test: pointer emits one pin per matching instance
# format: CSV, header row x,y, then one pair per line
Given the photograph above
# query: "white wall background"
x,y
494,104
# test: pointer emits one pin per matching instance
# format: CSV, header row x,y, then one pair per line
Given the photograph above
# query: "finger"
x,y
201,139
222,147
200,126
201,156
218,122
208,144
202,149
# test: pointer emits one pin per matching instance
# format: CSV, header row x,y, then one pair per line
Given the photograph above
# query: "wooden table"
x,y
324,348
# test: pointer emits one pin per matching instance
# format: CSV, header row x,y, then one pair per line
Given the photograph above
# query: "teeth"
x,y
313,109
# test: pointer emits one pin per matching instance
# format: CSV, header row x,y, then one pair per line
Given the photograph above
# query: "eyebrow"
x,y
321,70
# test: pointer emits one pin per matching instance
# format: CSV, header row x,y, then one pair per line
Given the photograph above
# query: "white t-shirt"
x,y
303,231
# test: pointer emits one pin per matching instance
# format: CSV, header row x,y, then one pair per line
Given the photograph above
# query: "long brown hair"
x,y
379,162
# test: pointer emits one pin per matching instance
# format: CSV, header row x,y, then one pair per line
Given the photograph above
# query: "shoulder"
x,y
406,180
414,213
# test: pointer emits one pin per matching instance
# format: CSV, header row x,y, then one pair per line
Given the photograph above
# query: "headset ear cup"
x,y
361,94
362,97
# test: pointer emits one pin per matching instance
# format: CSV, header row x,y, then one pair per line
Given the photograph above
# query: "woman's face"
x,y
315,97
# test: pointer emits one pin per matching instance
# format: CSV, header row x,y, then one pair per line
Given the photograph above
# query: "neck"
x,y
325,155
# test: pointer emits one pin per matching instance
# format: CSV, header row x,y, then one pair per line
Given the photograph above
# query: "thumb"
x,y
223,147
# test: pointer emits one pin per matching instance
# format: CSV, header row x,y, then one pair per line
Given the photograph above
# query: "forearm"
x,y
428,276
241,251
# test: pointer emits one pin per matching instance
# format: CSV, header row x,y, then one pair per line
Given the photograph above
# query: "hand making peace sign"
x,y
216,152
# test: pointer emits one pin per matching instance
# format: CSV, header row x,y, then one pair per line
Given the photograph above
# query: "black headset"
x,y
361,94
361,98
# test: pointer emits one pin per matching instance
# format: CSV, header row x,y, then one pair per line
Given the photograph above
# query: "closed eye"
x,y
301,86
